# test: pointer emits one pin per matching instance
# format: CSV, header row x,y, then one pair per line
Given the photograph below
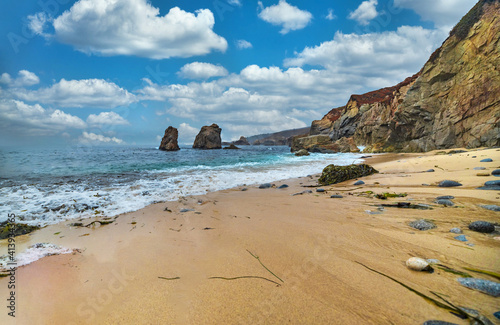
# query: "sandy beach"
x,y
267,256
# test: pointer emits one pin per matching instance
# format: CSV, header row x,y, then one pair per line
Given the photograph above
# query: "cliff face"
x,y
454,101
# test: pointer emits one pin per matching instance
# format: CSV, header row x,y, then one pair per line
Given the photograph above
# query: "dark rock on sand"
x,y
445,197
283,186
456,230
430,170
489,287
359,183
446,203
18,229
303,192
336,196
320,190
482,226
265,185
208,138
169,141
477,315
422,224
486,160
335,174
479,168
461,238
448,183
438,322
496,172
186,210
497,314
491,207
244,189
491,185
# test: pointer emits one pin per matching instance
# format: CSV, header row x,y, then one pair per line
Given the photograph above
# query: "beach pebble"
x,y
430,170
491,185
283,186
303,192
438,322
482,226
417,264
422,224
496,172
474,156
483,174
491,207
456,230
487,160
489,287
336,196
320,190
265,185
497,314
474,313
446,203
448,183
244,189
359,183
461,238
186,210
445,197
479,168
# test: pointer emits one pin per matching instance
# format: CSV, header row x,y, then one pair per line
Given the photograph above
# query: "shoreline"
x,y
311,241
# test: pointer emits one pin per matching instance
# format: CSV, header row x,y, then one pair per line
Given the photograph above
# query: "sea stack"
x,y
169,141
241,142
208,138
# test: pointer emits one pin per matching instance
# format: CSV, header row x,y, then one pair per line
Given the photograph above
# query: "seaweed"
x,y
450,270
493,274
7,229
336,174
385,195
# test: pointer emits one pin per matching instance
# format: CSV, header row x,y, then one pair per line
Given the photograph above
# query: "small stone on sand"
x,y
446,203
283,186
479,168
448,183
491,207
489,287
422,224
320,190
445,197
487,160
359,183
265,185
336,196
461,238
482,226
456,230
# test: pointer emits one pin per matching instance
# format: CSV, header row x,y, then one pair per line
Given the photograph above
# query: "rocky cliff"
x,y
454,101
208,138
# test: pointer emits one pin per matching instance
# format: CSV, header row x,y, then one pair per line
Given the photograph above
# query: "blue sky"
x,y
122,71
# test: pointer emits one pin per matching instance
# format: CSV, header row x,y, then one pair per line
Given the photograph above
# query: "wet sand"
x,y
315,245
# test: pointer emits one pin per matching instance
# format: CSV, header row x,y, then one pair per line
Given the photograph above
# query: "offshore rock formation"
x,y
241,142
454,101
208,138
169,141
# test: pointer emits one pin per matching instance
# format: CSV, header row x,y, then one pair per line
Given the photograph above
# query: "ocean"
x,y
44,186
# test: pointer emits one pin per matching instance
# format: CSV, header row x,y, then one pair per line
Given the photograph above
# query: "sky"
x,y
119,72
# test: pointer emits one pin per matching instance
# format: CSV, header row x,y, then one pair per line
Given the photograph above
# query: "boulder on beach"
x,y
302,152
336,174
491,185
208,138
482,226
169,141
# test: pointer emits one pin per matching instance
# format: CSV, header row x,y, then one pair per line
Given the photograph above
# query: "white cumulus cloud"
x,y
21,118
187,133
331,15
106,118
132,27
444,13
366,11
285,15
24,78
89,138
243,44
79,93
202,70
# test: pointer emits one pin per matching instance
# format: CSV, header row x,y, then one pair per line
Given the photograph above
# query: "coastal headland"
x,y
251,255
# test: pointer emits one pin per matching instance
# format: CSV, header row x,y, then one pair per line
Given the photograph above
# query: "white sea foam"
x,y
32,254
55,203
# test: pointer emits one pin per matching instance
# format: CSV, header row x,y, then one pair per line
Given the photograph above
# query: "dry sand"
x,y
312,242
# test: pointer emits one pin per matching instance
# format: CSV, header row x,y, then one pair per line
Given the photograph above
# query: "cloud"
x,y
132,27
202,70
242,44
88,138
235,2
106,118
444,13
79,93
24,119
38,22
365,12
187,133
391,54
285,15
331,15
24,78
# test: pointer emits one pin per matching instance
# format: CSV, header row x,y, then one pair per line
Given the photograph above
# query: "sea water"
x,y
44,186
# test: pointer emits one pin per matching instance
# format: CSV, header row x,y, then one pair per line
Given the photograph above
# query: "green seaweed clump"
x,y
385,195
336,174
19,229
